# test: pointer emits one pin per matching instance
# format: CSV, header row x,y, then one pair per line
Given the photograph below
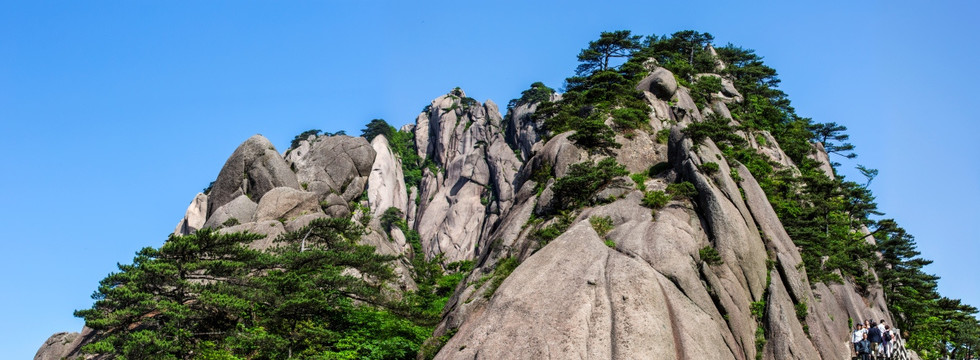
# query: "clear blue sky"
x,y
114,114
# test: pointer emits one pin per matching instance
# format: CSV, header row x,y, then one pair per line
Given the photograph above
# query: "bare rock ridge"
x,y
642,290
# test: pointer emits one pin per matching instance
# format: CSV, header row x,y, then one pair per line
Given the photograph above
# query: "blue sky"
x,y
114,114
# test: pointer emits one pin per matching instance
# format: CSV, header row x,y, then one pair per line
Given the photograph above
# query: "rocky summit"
x,y
666,243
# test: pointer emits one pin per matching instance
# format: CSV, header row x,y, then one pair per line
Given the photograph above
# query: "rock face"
x,y
660,82
252,170
195,216
643,291
386,183
640,291
334,164
523,130
477,168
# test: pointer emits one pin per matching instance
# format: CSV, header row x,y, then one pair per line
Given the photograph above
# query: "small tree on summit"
x,y
617,44
377,127
832,136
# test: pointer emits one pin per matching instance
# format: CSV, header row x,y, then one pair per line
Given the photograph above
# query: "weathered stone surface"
x,y
242,209
336,207
194,217
523,130
617,188
640,151
286,203
253,169
577,298
766,144
65,345
819,155
56,347
386,183
478,170
719,65
685,110
333,164
660,82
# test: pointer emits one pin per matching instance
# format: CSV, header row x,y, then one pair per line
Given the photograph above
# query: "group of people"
x,y
874,340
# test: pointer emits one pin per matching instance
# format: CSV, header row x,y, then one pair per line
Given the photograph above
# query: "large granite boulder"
x,y
240,210
335,164
286,203
660,82
386,183
194,217
253,169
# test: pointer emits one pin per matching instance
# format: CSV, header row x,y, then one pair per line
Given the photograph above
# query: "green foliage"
x,y
683,53
760,340
209,294
377,127
500,273
640,180
631,118
601,224
230,222
682,190
303,136
655,199
594,135
703,88
801,310
583,181
544,235
710,256
615,44
832,135
716,128
758,309
207,190
391,218
710,168
610,243
663,135
540,176
600,92
537,93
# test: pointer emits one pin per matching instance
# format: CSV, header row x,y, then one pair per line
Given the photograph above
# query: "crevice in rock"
x,y
612,310
678,347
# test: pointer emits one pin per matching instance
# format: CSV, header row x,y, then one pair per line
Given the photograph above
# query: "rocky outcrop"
x,y
194,217
585,296
286,203
642,290
523,130
459,202
386,183
252,170
334,164
660,82
240,210
65,345
819,154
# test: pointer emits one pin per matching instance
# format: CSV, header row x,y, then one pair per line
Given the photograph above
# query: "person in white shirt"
x,y
857,336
